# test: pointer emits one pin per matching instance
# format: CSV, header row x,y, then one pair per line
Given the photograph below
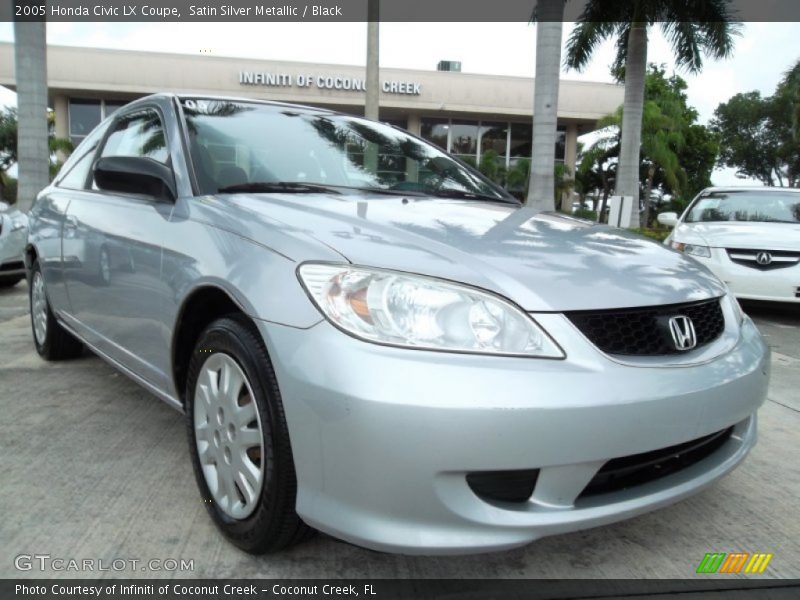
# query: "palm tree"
x,y
33,153
661,140
373,61
549,15
596,170
692,28
792,82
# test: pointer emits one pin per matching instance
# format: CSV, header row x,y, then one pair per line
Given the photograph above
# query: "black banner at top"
x,y
245,11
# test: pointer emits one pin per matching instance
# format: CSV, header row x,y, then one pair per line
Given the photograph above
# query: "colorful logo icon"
x,y
734,562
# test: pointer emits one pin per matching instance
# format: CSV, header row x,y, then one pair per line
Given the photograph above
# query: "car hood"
x,y
746,234
543,262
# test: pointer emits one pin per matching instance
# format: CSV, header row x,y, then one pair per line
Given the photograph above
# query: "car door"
x,y
115,289
48,215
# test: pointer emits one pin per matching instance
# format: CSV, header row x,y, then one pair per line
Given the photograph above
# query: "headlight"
x,y
693,249
400,309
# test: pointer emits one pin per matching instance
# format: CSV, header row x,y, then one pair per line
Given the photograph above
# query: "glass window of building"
x,y
84,115
464,139
494,137
112,106
435,131
561,143
521,136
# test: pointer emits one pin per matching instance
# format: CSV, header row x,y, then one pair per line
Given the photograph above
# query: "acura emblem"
x,y
682,330
764,258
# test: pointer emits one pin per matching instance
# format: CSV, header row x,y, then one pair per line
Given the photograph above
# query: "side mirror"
x,y
135,175
670,219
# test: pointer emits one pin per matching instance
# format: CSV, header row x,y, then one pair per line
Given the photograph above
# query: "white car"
x,y
749,238
13,236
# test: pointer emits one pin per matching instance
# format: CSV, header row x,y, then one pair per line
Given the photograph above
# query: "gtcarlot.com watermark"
x,y
47,562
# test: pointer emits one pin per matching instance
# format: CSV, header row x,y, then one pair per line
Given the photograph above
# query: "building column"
x,y
570,162
414,124
414,127
61,113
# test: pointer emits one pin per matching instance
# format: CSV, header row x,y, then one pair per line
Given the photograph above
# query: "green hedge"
x,y
655,234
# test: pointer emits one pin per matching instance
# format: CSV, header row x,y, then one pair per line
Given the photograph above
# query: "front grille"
x,y
503,486
645,331
629,471
764,260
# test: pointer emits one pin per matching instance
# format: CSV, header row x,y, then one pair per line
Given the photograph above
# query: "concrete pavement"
x,y
95,467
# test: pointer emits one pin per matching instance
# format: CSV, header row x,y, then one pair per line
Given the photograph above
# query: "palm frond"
x,y
698,27
583,41
621,57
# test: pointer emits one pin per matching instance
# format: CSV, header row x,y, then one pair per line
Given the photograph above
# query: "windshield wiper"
x,y
279,187
450,193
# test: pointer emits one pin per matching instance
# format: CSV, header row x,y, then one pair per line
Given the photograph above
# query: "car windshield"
x,y
765,207
243,146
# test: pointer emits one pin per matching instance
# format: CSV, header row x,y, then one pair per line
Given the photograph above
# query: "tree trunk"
x,y
631,134
601,213
648,189
33,153
373,77
371,108
541,186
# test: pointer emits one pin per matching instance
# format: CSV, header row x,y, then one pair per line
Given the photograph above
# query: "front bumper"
x,y
12,247
748,283
383,437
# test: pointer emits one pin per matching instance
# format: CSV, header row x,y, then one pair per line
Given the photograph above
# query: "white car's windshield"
x,y
770,207
244,146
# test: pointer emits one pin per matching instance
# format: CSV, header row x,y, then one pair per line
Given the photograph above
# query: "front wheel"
x,y
52,341
239,441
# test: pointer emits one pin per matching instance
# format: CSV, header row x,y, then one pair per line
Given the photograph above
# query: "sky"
x,y
763,52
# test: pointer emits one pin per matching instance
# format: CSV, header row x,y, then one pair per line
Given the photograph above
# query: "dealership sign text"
x,y
328,82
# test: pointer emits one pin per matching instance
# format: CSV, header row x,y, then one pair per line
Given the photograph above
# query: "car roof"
x,y
748,188
173,96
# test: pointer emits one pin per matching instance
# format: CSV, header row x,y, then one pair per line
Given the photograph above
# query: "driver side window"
x,y
139,133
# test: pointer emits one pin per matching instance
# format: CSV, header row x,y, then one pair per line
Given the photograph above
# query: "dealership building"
x,y
467,114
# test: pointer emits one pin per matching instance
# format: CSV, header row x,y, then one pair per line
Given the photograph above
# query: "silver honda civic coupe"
x,y
369,338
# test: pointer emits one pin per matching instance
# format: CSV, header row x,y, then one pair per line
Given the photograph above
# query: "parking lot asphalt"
x,y
92,466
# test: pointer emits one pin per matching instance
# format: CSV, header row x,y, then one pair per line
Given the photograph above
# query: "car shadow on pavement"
x,y
778,312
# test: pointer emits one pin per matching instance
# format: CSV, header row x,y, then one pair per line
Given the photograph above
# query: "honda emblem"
x,y
683,334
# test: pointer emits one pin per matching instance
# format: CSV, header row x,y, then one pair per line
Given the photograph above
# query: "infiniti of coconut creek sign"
x,y
325,82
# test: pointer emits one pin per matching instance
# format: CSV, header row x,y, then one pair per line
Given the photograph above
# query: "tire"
x,y
52,341
257,519
8,281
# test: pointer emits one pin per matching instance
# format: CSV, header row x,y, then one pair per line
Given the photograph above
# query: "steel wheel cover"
x,y
39,308
230,441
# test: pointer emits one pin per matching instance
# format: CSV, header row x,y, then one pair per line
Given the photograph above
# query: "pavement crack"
x,y
784,405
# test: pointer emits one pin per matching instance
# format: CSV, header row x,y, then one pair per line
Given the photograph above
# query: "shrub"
x,y
585,213
654,234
